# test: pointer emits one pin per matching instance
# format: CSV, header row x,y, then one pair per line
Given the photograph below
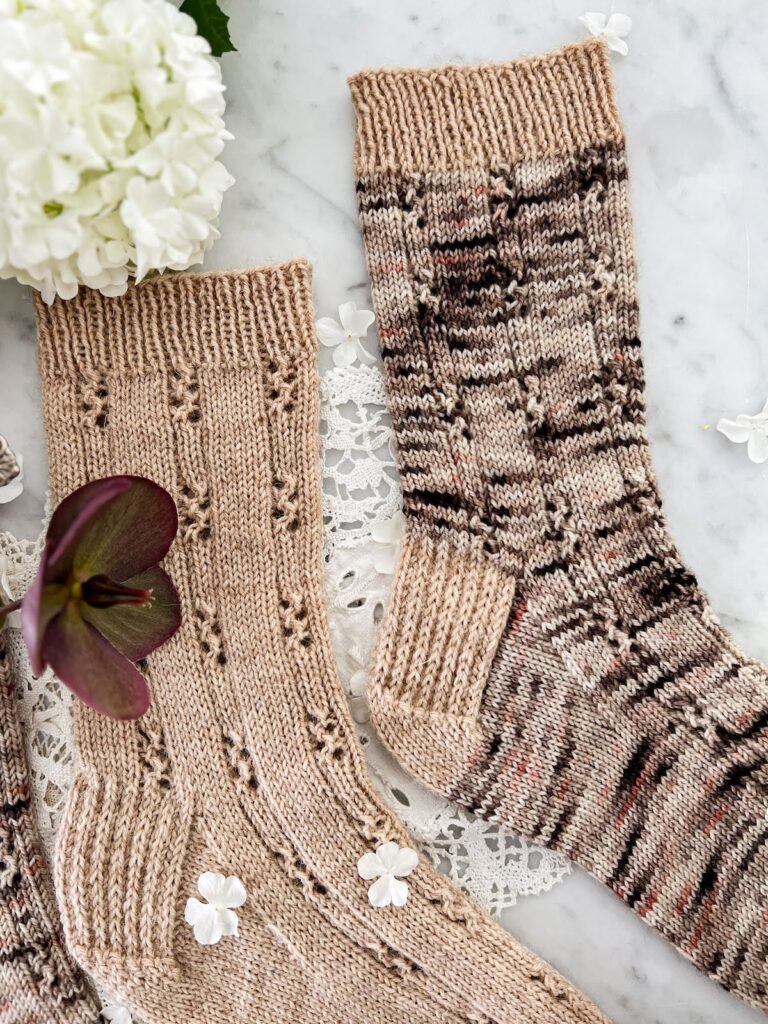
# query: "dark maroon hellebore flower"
x,y
100,602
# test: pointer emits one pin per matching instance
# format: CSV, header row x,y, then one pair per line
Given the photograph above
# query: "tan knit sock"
x,y
247,762
548,661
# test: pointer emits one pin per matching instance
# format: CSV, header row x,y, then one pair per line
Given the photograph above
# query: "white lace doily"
x,y
44,704
361,492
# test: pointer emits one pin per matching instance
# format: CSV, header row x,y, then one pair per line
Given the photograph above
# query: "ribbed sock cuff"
x,y
448,118
445,619
177,320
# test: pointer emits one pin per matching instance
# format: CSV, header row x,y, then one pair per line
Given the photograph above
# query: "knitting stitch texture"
x,y
547,660
39,983
247,762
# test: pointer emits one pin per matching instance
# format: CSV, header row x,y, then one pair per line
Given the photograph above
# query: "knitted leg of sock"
x,y
39,983
247,762
454,168
619,723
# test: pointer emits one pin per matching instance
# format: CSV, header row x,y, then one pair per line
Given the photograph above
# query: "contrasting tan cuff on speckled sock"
x,y
444,119
454,166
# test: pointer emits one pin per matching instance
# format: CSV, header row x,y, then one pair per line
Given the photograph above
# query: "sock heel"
x,y
120,856
445,619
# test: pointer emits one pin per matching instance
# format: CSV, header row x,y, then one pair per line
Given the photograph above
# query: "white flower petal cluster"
x,y
346,334
111,123
388,865
216,918
749,430
116,1013
613,28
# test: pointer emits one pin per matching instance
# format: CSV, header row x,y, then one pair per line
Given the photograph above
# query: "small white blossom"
x,y
385,538
388,865
15,486
117,1014
217,917
752,430
110,132
345,337
612,28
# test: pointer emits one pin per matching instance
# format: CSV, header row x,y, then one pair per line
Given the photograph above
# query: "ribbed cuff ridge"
x,y
448,118
177,320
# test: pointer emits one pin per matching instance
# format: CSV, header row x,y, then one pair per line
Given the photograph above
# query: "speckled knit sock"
x,y
547,660
247,763
39,983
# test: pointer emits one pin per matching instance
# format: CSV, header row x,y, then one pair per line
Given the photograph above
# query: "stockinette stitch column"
x,y
247,763
39,982
547,660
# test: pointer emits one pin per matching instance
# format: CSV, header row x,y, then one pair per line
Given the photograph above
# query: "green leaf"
x,y
212,24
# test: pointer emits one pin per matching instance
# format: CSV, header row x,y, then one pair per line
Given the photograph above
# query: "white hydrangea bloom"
x,y
110,129
116,1013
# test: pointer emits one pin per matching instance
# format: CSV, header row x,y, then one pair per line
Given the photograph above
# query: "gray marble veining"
x,y
694,96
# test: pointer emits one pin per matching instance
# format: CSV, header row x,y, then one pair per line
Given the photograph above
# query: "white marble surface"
x,y
694,95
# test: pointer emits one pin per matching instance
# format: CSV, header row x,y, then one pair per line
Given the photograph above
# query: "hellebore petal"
x,y
124,535
72,517
137,630
41,603
92,668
